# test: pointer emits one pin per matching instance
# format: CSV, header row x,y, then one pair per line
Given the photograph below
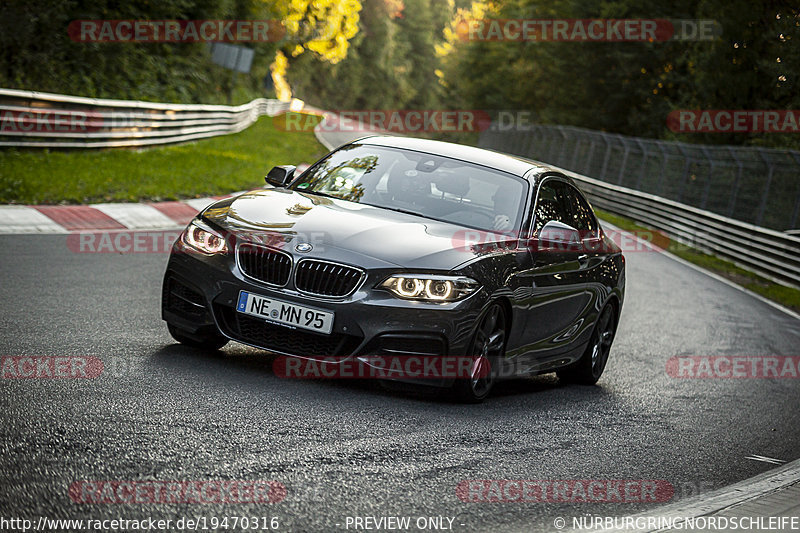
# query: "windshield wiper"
x,y
317,193
406,211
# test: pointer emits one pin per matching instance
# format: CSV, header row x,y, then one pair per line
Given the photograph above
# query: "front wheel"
x,y
485,353
210,342
588,369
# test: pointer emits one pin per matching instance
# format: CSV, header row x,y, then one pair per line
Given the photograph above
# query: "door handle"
x,y
583,259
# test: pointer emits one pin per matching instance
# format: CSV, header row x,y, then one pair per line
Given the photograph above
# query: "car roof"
x,y
488,158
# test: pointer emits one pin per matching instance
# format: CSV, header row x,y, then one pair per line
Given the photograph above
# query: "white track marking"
x,y
200,203
763,459
23,219
137,216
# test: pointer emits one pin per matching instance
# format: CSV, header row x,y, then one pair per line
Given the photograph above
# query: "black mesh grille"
x,y
326,279
183,299
286,340
265,264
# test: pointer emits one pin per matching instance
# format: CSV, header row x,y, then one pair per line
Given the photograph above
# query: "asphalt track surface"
x,y
161,411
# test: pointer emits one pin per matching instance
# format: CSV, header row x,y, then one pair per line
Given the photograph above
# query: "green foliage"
x,y
402,54
212,166
630,88
391,63
37,53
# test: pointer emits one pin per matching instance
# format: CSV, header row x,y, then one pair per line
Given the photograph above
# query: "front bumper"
x,y
200,294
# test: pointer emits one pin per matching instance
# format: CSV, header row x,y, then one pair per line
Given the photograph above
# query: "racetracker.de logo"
x,y
405,121
587,30
734,121
111,242
202,492
564,490
734,367
381,367
58,121
50,367
478,241
175,31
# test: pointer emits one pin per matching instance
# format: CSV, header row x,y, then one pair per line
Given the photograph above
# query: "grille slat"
x,y
265,264
326,279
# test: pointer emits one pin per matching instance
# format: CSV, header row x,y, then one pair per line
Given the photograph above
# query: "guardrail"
x,y
44,120
753,184
771,253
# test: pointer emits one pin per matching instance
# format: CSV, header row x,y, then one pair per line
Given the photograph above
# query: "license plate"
x,y
285,313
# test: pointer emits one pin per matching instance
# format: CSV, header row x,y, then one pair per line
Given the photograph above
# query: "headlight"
x,y
204,240
430,288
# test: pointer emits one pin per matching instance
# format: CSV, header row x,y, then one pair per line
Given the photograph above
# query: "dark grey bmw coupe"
x,y
393,246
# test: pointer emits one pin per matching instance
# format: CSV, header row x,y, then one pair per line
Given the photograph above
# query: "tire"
x,y
486,350
209,342
588,369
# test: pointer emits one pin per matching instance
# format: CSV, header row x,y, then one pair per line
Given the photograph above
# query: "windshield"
x,y
427,185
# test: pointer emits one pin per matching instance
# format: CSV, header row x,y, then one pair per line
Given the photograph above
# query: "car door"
x,y
557,289
593,253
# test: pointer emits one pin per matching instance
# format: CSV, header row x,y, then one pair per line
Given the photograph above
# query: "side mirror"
x,y
556,233
280,176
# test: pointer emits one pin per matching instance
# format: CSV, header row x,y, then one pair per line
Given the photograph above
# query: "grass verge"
x,y
786,296
213,166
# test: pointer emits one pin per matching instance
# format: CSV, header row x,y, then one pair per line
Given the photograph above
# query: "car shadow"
x,y
238,363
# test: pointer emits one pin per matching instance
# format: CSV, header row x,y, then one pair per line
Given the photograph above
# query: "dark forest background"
x,y
405,54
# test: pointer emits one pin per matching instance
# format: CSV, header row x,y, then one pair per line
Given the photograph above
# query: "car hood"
x,y
344,231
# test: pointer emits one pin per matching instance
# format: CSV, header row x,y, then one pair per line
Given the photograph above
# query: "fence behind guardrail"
x,y
43,120
756,185
653,181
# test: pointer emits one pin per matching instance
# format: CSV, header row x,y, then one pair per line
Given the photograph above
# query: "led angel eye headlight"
x,y
408,287
438,289
203,240
430,288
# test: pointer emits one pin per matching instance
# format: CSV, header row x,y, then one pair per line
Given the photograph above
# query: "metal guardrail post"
x,y
643,148
588,165
762,207
685,177
624,163
562,152
574,164
662,174
737,181
796,212
607,156
707,189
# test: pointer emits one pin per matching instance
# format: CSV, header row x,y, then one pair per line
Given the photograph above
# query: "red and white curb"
x,y
19,219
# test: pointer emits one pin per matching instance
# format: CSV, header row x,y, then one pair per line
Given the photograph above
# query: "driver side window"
x,y
581,215
552,204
